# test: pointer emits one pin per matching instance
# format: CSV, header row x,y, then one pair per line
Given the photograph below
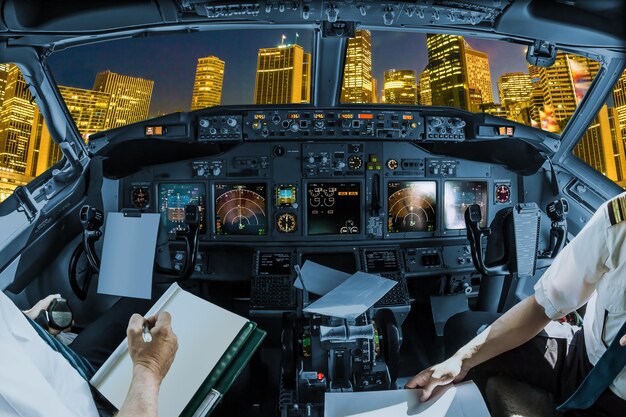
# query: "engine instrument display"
x,y
333,208
172,201
458,196
412,206
240,209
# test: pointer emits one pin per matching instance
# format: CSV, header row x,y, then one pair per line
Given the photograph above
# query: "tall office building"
x,y
305,96
447,71
478,76
375,91
514,87
16,123
130,98
515,95
400,86
207,86
602,145
357,75
4,73
619,98
280,73
560,87
425,96
88,108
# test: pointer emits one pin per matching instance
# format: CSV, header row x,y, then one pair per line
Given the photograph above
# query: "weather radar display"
x,y
412,206
240,209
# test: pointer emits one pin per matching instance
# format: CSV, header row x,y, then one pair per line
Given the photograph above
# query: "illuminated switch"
x,y
373,158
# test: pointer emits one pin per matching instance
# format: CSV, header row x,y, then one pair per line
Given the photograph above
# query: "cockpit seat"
x,y
508,397
505,396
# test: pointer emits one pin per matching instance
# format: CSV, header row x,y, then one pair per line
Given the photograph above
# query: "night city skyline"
x,y
173,68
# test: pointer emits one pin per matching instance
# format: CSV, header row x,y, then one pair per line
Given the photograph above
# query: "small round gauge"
x,y
503,193
392,164
286,223
141,197
355,162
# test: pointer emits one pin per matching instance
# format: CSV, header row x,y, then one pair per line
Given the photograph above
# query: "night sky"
x,y
171,61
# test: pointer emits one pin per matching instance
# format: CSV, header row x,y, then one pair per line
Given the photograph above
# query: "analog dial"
x,y
141,197
286,223
355,162
503,193
392,164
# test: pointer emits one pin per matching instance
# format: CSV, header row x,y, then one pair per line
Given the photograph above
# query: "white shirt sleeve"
x,y
572,278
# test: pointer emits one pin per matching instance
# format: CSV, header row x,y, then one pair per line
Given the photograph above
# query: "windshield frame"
x,y
320,53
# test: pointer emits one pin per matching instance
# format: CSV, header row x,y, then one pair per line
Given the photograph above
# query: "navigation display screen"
x,y
412,206
274,264
458,196
240,209
333,208
172,201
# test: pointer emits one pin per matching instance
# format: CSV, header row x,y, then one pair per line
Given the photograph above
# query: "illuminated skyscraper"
x,y
130,98
515,95
514,87
554,89
357,76
619,97
280,73
478,76
602,145
207,86
4,73
16,123
447,71
375,91
306,78
425,96
400,87
88,108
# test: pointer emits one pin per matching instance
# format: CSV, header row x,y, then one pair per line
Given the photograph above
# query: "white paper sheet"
x,y
352,297
462,400
128,255
320,279
196,322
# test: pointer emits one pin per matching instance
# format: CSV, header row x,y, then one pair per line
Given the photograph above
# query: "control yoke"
x,y
192,242
475,234
517,242
557,212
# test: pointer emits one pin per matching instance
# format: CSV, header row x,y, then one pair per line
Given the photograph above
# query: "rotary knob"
x,y
346,123
216,171
324,159
204,123
311,159
232,122
340,165
294,127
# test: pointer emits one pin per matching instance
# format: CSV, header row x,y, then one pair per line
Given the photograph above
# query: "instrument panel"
x,y
320,175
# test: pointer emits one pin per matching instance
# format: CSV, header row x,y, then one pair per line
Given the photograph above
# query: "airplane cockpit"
x,y
453,148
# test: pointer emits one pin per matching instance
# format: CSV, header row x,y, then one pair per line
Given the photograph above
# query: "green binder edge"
x,y
229,366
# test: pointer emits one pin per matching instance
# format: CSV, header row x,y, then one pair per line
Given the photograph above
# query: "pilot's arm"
x,y
567,285
151,361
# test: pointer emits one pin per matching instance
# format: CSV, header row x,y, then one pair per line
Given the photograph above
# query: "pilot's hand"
x,y
156,356
622,341
43,305
444,373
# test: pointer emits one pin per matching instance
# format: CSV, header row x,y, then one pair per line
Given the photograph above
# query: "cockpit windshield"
x,y
472,74
113,84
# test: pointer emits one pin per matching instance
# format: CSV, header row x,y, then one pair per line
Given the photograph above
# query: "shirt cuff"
x,y
544,301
